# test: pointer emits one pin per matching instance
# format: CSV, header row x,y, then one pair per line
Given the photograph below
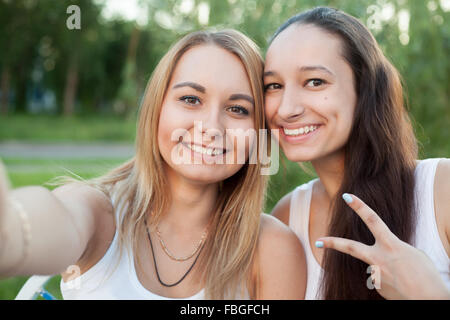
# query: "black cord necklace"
x,y
156,267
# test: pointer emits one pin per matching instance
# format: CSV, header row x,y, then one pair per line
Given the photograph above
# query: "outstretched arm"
x,y
42,231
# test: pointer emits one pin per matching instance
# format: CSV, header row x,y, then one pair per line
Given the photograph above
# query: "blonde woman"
x,y
177,220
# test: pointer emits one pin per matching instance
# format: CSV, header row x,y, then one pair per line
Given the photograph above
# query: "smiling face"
x,y
310,93
208,100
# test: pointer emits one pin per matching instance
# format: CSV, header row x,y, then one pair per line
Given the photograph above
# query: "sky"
x,y
129,9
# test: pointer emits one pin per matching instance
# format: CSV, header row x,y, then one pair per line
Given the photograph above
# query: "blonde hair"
x,y
230,249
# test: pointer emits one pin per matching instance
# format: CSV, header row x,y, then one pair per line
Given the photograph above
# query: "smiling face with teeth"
x,y
310,94
209,97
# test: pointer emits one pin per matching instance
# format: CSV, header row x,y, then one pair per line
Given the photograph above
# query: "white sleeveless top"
x,y
103,282
426,236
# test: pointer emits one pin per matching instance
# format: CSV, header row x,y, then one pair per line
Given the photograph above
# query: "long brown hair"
x,y
228,257
379,156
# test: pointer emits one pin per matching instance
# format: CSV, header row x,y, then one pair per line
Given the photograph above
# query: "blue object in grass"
x,y
46,295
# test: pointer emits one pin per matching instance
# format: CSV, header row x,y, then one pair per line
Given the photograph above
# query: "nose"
x,y
211,127
290,108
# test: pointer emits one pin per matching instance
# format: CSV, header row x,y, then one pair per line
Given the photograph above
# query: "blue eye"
x,y
191,100
238,109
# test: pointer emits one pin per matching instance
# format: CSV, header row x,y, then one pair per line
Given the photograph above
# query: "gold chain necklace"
x,y
172,256
156,266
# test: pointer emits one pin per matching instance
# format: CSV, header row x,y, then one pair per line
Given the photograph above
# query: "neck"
x,y
330,170
191,205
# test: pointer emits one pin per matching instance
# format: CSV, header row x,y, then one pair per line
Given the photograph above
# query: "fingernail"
x,y
319,244
347,198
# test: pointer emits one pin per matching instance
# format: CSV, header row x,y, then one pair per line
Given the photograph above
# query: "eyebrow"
x,y
302,69
193,85
241,96
269,73
315,68
196,86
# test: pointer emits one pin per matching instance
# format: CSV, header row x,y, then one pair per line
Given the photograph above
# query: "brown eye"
x,y
272,86
314,83
191,100
238,110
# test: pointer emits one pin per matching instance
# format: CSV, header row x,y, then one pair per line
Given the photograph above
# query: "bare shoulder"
x,y
274,236
442,186
442,196
282,261
443,171
282,209
83,199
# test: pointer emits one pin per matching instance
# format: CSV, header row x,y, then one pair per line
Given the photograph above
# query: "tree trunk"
x,y
4,88
21,90
70,89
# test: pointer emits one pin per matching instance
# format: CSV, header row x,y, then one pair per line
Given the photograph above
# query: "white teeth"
x,y
299,131
207,151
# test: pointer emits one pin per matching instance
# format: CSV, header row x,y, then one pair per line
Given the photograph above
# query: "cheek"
x,y
271,104
342,114
346,114
164,128
170,127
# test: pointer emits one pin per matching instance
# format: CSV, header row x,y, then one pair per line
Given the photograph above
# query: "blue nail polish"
x,y
347,198
319,244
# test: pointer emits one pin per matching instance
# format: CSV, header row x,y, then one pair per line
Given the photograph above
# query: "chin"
x,y
299,155
204,174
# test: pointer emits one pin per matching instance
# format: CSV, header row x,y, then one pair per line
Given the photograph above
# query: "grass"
x,y
23,172
47,128
11,286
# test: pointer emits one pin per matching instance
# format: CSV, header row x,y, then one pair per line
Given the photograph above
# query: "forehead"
x,y
305,44
212,66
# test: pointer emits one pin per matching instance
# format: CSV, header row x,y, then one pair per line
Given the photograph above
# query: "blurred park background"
x,y
70,89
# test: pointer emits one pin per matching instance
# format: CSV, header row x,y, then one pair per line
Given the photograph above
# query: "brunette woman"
x,y
332,98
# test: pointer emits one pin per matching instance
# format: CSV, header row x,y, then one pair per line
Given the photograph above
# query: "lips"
x,y
298,133
206,150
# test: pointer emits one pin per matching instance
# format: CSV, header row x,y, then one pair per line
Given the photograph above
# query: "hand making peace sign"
x,y
401,271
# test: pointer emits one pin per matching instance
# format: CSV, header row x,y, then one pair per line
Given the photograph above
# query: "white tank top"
x,y
426,236
103,282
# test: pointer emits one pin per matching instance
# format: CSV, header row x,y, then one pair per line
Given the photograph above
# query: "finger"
x,y
375,224
356,249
